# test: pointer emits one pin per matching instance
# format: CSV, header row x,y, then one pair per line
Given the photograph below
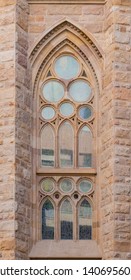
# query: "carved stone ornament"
x,y
66,1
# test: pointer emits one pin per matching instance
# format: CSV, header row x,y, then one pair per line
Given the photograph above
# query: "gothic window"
x,y
66,157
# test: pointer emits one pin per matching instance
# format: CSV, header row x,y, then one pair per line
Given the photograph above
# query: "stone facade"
x,y
22,25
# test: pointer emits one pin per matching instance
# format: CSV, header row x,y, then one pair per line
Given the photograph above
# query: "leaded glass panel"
x,y
66,220
85,220
47,220
67,67
47,146
85,147
66,145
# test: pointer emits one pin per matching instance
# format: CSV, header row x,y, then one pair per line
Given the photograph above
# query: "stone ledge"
x,y
65,249
66,1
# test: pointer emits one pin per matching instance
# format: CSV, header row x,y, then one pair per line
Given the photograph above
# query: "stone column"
x,y
115,155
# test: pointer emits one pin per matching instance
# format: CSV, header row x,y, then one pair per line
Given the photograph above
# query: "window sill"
x,y
63,171
65,249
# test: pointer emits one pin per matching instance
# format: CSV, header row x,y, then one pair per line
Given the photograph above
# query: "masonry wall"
x,y
20,26
7,129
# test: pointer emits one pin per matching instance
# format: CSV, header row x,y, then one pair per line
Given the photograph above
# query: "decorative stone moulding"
x,y
66,1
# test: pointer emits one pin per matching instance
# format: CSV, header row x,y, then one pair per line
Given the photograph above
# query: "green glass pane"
x,y
67,67
66,109
66,185
53,91
47,185
85,186
80,91
48,113
85,112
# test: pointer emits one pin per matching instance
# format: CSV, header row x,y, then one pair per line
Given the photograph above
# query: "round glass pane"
x,y
47,185
85,112
85,186
48,113
67,67
53,91
80,91
66,109
66,185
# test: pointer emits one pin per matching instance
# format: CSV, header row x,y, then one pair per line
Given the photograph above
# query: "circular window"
x,y
67,67
66,185
53,91
66,109
80,91
85,186
85,112
47,185
48,113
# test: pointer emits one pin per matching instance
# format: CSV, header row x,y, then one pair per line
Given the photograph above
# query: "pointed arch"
x,y
85,219
47,220
66,33
66,144
66,219
47,139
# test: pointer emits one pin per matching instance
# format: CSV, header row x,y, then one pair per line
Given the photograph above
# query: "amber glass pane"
x,y
67,67
47,220
47,185
85,220
66,145
66,218
85,147
47,146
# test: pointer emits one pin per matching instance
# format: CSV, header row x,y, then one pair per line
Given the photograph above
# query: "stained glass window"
x,y
47,146
66,219
85,220
47,220
85,147
67,67
66,145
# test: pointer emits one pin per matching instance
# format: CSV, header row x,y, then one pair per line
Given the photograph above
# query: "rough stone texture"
x,y
7,129
20,26
23,133
116,133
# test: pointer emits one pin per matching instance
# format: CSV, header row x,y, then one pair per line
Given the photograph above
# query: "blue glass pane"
x,y
48,113
85,112
67,67
53,91
80,91
85,220
47,220
66,220
85,186
66,109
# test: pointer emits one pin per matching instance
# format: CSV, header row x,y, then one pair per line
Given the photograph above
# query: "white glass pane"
x,y
66,185
85,112
85,147
53,91
85,220
67,67
66,145
80,91
47,146
48,113
66,109
47,185
47,220
66,219
85,186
